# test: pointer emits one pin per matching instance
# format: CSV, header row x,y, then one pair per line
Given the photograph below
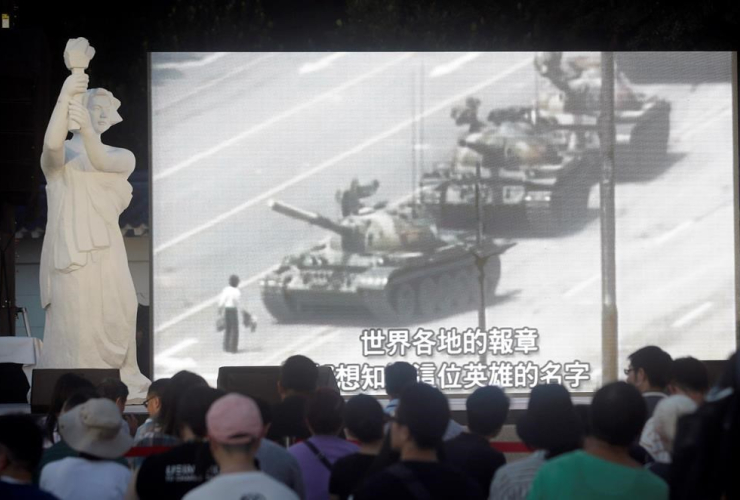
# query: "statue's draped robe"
x,y
86,285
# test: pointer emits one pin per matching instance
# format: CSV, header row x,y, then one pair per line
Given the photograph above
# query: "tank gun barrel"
x,y
484,147
312,218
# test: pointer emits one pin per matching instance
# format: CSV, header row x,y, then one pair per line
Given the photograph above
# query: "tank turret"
x,y
386,262
312,218
377,231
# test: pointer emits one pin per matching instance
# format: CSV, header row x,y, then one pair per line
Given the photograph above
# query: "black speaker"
x,y
261,381
44,380
13,383
715,369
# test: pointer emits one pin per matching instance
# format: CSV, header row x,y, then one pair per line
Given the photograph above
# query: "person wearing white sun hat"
x,y
96,431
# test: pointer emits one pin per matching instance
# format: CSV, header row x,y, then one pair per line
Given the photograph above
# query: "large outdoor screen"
x,y
358,196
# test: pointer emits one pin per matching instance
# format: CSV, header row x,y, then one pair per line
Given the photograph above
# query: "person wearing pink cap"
x,y
234,431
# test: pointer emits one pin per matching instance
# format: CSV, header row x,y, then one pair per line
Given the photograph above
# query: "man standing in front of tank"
x,y
228,309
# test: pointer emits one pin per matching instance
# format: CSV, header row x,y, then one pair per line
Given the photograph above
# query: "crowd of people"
x,y
661,433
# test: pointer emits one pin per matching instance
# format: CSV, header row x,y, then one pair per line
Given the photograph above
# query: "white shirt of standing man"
x,y
229,297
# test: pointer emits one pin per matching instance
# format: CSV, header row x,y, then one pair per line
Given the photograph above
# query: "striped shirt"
x,y
513,481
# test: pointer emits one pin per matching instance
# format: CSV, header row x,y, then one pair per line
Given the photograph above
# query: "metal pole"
x,y
413,143
609,316
480,261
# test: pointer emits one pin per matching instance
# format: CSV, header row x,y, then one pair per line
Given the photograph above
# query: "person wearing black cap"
x,y
604,468
550,427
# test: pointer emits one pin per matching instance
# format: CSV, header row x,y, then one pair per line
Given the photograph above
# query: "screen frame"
x,y
457,399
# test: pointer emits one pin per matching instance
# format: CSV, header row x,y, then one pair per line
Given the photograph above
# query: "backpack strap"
x,y
410,481
322,458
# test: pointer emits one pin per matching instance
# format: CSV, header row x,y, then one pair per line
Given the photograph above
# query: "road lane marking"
x,y
707,114
340,157
278,357
191,64
207,303
672,233
323,63
331,335
253,129
691,132
582,285
176,348
176,364
692,315
699,272
211,83
653,243
454,65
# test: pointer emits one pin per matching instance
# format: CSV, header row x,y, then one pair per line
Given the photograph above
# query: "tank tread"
x,y
649,141
541,218
567,208
378,304
277,304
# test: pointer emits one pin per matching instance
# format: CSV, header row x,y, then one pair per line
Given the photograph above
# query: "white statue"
x,y
86,286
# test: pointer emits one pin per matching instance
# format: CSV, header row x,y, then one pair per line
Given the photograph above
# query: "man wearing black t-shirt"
x,y
298,378
471,451
363,422
172,474
416,432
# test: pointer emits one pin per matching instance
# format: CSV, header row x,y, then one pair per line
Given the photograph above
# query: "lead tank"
x,y
386,262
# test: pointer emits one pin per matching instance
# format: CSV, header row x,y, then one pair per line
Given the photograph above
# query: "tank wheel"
x,y
572,199
428,297
278,305
541,218
649,144
471,275
463,289
568,205
404,302
446,300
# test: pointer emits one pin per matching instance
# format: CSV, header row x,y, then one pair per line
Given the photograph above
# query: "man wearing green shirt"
x,y
604,469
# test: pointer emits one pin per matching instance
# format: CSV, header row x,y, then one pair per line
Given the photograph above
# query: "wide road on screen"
x,y
231,131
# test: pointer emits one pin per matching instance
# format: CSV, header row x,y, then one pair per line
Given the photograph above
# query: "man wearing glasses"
x,y
650,372
152,403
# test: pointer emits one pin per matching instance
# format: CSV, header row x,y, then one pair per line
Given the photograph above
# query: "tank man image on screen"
x,y
386,262
526,164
